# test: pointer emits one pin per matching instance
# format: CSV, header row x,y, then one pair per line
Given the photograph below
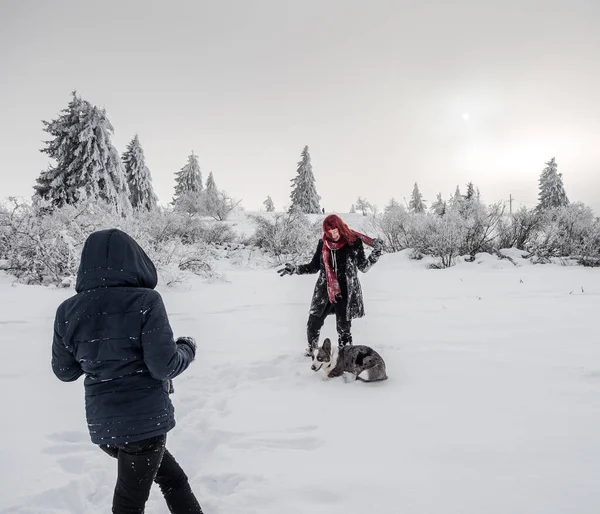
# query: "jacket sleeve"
x,y
163,356
64,364
364,263
314,265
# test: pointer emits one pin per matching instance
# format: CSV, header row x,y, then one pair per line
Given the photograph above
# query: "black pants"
x,y
139,464
343,325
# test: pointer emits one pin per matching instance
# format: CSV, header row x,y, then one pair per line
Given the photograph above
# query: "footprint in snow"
x,y
72,449
295,443
321,496
227,484
73,464
69,436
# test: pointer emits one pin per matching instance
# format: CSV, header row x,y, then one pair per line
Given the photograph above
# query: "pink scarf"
x,y
333,286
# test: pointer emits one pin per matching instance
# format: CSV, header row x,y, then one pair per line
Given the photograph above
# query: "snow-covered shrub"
x,y
418,229
577,225
480,223
394,227
565,231
443,237
218,205
5,214
588,250
519,230
173,241
427,234
189,202
218,233
284,236
43,245
467,227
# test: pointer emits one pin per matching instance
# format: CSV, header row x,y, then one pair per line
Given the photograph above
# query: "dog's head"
x,y
321,356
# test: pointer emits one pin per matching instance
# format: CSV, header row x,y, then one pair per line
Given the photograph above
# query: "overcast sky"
x,y
384,93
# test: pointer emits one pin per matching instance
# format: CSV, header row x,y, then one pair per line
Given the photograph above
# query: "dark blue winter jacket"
x,y
116,332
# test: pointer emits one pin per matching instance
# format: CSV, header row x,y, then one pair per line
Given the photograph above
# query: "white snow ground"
x,y
492,405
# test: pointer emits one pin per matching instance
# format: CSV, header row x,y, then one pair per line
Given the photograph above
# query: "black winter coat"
x,y
349,259
116,332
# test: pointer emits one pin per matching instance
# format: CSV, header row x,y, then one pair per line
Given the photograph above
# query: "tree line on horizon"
x,y
89,166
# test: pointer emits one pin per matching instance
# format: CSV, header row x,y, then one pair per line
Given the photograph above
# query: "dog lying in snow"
x,y
361,361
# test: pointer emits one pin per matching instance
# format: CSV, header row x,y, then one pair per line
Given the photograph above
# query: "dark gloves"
x,y
189,342
289,269
377,247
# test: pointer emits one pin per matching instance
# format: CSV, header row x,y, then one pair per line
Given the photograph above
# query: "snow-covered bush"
x,y
394,226
218,205
520,229
465,231
43,245
480,223
588,250
442,237
174,242
285,236
217,233
568,231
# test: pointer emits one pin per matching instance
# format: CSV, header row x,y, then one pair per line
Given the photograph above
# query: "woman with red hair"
x,y
339,255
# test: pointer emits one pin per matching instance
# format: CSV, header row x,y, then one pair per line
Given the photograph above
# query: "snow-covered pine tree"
x,y
304,193
457,201
189,179
216,204
416,203
210,196
57,184
211,186
87,164
470,192
439,206
269,205
139,179
552,191
352,209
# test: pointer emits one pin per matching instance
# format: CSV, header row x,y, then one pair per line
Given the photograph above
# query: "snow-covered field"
x,y
492,405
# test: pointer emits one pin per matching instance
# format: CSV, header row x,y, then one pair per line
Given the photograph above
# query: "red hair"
x,y
332,222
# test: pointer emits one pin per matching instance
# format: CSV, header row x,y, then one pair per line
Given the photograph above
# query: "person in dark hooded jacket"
x,y
340,254
116,332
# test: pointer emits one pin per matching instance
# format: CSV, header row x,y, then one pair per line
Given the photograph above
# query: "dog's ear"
x,y
327,346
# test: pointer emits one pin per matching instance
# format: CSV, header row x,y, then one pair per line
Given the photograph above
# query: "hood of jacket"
x,y
112,258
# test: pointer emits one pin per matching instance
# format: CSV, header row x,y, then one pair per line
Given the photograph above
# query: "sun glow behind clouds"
x,y
518,155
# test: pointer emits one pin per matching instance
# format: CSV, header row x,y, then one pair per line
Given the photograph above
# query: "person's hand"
x,y
288,269
377,247
190,342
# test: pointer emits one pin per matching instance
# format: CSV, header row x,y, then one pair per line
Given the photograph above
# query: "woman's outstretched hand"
x,y
289,269
378,246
